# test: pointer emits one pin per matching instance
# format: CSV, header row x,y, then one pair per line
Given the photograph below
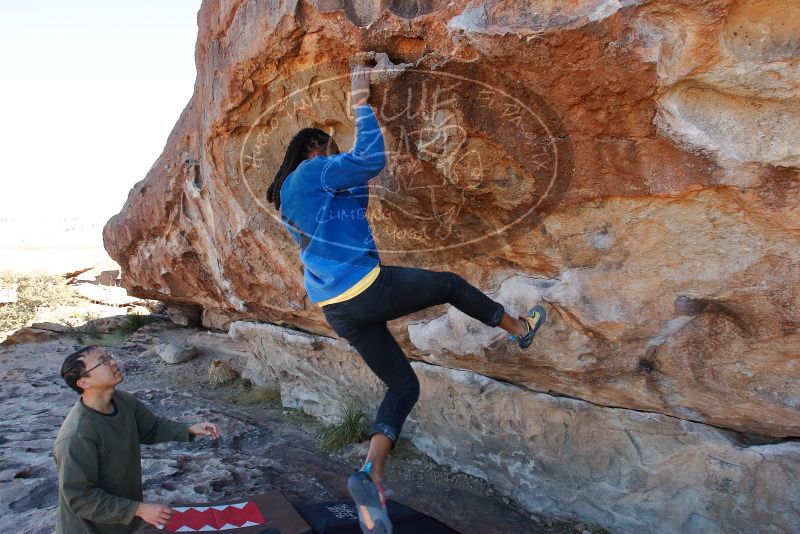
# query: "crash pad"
x,y
342,518
269,513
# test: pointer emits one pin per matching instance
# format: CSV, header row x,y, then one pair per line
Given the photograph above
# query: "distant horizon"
x,y
54,244
57,231
92,93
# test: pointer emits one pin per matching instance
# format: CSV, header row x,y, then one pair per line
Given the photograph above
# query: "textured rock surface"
x,y
262,447
631,162
108,295
37,332
170,353
626,470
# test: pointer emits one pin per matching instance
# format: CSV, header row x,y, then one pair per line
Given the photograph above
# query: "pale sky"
x,y
89,92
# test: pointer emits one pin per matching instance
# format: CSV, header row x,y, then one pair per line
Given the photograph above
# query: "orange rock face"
x,y
631,163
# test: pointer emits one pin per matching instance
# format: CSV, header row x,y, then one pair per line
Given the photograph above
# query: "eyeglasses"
x,y
104,360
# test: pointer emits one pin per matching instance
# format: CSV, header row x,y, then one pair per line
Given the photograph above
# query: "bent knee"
x,y
408,387
454,279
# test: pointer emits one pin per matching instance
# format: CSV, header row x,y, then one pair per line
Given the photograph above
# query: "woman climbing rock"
x,y
322,196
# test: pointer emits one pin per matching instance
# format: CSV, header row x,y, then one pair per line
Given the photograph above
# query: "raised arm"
x,y
153,428
364,161
368,156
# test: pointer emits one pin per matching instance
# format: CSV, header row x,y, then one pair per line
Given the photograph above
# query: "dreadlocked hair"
x,y
302,144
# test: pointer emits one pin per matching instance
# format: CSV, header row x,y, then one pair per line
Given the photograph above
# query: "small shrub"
x,y
221,372
134,321
351,427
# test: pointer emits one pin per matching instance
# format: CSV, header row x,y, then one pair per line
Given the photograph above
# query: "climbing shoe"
x,y
370,502
534,319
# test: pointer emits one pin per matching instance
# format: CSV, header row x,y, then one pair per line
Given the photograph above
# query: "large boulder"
x,y
36,333
633,160
631,164
171,353
627,470
108,295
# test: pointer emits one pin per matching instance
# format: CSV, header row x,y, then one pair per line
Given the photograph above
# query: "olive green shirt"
x,y
99,465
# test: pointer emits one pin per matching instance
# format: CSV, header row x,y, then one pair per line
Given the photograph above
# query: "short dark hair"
x,y
73,367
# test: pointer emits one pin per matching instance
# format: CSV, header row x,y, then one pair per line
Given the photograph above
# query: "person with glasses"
x,y
97,450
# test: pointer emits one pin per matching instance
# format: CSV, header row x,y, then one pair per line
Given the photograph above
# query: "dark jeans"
x,y
399,291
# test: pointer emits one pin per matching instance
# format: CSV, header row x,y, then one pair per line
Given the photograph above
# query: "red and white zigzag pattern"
x,y
215,518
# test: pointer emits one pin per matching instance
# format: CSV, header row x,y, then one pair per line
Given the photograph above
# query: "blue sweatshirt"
x,y
324,207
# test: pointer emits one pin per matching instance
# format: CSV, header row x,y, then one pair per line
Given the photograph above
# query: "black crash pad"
x,y
342,518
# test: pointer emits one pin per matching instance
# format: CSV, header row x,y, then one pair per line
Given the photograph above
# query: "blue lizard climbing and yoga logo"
x,y
467,163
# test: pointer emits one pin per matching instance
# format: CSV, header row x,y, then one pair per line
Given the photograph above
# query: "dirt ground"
x,y
263,446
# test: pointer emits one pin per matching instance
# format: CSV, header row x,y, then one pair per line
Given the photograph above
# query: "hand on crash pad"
x,y
156,514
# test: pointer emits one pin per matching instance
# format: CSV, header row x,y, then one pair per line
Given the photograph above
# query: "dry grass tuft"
x,y
221,372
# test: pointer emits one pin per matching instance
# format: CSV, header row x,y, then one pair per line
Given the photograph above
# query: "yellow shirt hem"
x,y
355,289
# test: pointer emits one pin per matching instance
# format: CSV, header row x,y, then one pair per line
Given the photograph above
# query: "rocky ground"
x,y
263,446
